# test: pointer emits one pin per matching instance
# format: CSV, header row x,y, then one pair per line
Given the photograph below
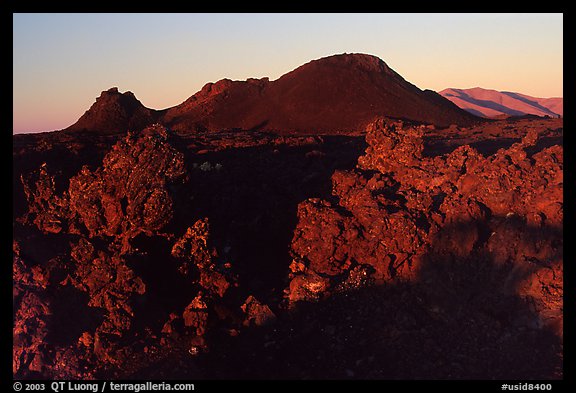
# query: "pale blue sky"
x,y
63,61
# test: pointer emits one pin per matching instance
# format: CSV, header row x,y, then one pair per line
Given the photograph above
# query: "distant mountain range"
x,y
334,94
492,103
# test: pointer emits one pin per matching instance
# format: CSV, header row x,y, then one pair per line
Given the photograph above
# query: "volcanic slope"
x,y
331,94
335,94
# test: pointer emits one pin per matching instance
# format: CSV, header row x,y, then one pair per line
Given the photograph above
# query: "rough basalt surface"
x,y
98,219
410,252
400,215
470,232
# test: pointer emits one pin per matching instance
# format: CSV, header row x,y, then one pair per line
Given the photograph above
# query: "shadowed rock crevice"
x,y
463,320
251,200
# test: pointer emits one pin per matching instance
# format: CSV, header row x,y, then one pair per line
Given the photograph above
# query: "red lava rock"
x,y
123,198
44,206
31,326
460,205
111,284
196,316
214,281
168,327
445,245
257,314
32,317
307,287
128,195
194,245
86,339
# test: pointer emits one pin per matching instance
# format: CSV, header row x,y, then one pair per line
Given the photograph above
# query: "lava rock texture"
x,y
407,252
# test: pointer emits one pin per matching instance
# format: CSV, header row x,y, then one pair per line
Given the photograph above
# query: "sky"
x,y
61,62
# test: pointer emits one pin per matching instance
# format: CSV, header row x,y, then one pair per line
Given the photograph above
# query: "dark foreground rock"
x,y
410,253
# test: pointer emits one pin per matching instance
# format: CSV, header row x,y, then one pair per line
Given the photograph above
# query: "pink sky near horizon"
x,y
62,62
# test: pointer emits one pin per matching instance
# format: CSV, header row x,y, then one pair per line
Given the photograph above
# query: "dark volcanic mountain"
x,y
333,94
113,112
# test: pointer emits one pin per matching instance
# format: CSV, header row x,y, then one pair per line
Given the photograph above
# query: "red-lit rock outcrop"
x,y
99,216
400,216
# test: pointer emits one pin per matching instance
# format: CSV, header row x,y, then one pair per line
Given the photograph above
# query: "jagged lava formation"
x,y
220,256
423,249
